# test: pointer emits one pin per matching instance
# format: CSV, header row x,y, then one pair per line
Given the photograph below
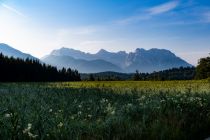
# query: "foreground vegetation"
x,y
105,110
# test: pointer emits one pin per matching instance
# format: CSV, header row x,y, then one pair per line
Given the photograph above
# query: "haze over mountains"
x,y
141,59
11,52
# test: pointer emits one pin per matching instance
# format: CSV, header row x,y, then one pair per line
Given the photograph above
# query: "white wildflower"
x,y
29,126
8,115
113,112
32,135
79,113
60,124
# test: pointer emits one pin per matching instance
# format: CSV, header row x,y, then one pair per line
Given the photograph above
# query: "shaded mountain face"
x,y
73,53
142,60
84,66
115,58
153,60
11,52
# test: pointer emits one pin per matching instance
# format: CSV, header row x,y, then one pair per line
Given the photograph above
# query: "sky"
x,y
40,26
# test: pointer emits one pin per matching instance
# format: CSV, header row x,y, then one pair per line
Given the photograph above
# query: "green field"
x,y
177,110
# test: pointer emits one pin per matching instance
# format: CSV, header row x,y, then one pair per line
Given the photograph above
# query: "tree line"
x,y
203,68
201,71
32,70
182,73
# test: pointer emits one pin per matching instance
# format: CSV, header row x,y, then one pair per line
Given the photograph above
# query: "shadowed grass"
x,y
50,111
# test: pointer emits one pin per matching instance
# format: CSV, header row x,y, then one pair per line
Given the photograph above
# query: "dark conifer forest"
x,y
19,70
187,73
203,68
181,73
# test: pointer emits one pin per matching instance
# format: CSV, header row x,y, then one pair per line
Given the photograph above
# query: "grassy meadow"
x,y
175,110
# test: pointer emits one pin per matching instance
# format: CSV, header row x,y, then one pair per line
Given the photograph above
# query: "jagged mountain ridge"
x,y
142,60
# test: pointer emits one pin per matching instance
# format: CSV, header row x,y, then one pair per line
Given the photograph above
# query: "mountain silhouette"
x,y
141,59
12,52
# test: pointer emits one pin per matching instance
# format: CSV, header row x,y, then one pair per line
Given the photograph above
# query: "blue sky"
x,y
39,26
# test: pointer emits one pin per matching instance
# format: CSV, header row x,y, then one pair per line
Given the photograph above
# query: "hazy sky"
x,y
39,26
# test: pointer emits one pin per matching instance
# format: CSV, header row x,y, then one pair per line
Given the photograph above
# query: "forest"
x,y
181,73
19,70
32,70
201,71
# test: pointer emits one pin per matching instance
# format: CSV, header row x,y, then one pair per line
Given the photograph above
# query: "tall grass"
x,y
105,111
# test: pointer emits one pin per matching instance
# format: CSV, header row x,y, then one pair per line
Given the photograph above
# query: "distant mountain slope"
x,y
153,60
9,51
73,53
84,66
118,58
181,73
142,60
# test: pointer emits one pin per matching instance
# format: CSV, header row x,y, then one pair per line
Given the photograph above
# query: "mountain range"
x,y
11,52
141,59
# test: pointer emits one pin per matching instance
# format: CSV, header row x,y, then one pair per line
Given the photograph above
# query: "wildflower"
x,y
8,115
113,112
162,100
79,113
50,110
28,128
201,104
60,124
56,114
25,131
89,116
109,107
103,100
129,105
32,135
80,106
143,97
